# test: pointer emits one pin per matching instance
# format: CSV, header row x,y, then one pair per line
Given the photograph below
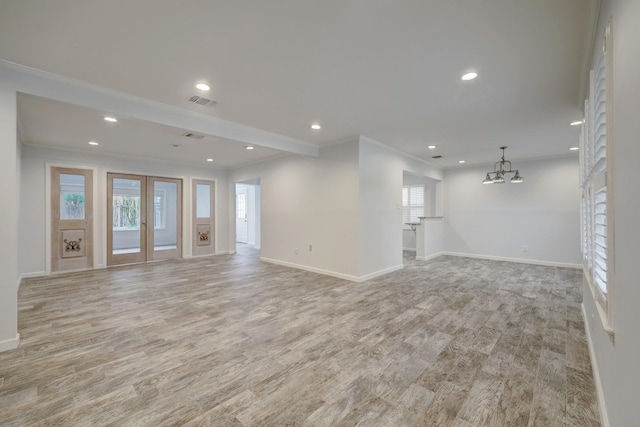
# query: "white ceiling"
x,y
50,123
388,70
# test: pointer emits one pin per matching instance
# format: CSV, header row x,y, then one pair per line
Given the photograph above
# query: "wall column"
x,y
9,337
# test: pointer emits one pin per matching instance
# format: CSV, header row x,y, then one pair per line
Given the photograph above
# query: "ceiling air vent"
x,y
202,101
192,135
436,157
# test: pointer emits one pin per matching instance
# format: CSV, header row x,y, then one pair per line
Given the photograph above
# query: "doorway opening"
x,y
248,215
422,222
144,218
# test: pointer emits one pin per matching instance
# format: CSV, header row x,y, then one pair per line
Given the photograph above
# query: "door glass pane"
x,y
71,196
241,205
203,201
165,214
126,216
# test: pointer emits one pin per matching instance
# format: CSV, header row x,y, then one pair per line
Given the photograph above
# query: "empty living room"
x,y
338,213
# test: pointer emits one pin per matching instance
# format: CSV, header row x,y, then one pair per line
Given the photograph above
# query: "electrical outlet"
x,y
525,248
295,251
310,248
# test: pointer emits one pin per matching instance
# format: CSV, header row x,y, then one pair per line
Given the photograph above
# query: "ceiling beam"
x,y
63,89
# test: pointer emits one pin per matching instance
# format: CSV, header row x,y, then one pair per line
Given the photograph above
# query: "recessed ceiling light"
x,y
432,147
574,148
249,147
110,119
469,76
316,126
576,123
461,161
209,160
93,143
203,86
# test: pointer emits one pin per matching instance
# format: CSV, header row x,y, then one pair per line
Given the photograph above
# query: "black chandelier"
x,y
499,172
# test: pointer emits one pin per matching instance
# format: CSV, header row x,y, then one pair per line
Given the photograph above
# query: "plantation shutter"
x,y
412,203
599,177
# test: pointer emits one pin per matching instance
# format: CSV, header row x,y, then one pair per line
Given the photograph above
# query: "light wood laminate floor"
x,y
232,341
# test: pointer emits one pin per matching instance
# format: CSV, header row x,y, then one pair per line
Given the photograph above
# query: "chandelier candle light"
x,y
500,171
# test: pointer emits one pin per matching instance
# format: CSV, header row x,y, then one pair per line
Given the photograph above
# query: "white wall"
x,y
253,215
381,180
617,362
31,247
408,239
347,204
309,201
498,220
257,203
9,337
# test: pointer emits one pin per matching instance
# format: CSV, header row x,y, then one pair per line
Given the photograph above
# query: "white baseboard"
x,y
519,260
333,273
409,249
10,344
229,252
428,257
199,256
604,419
380,272
32,275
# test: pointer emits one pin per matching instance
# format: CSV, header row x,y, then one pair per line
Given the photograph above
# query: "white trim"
x,y
78,270
409,249
334,273
198,256
430,257
208,255
604,418
311,269
519,260
32,275
10,344
380,272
